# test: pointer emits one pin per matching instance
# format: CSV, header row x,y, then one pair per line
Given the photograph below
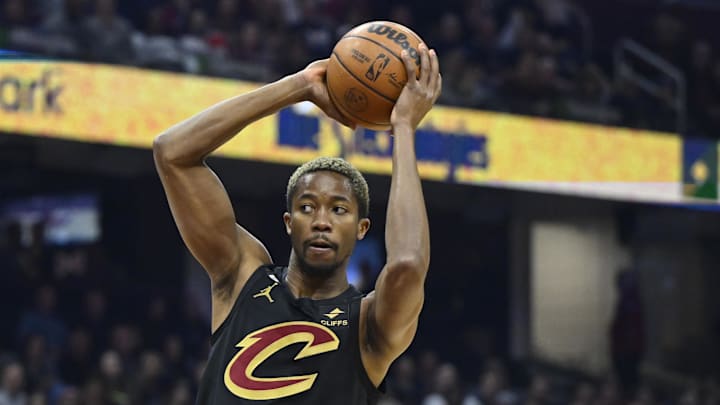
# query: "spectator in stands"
x,y
93,391
114,379
402,14
627,332
668,37
482,40
107,35
64,28
610,392
449,34
34,259
11,291
95,318
194,43
150,384
125,343
691,396
39,398
156,325
180,394
248,44
15,14
584,394
428,363
175,16
539,391
177,362
153,47
644,396
448,389
77,361
69,396
43,320
700,74
11,391
193,333
403,384
493,387
39,363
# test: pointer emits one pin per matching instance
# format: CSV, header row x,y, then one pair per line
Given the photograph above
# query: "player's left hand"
x,y
314,76
419,94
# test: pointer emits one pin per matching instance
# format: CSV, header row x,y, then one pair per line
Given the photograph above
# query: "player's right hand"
x,y
419,94
314,78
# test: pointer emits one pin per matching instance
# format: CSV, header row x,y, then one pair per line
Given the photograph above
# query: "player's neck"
x,y
303,285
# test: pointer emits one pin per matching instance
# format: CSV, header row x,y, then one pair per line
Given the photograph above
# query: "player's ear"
x,y
363,227
287,219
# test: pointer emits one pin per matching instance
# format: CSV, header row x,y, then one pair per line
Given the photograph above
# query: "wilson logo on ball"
x,y
397,37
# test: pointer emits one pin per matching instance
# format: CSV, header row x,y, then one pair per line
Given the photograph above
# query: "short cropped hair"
x,y
337,165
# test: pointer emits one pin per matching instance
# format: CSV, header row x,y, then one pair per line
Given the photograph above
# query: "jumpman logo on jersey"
x,y
265,292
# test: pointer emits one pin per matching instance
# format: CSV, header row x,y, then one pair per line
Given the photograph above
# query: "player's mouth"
x,y
320,246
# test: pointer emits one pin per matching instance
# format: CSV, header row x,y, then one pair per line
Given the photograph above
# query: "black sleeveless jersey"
x,y
276,349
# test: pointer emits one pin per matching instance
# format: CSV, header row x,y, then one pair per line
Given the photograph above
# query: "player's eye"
x,y
340,210
306,208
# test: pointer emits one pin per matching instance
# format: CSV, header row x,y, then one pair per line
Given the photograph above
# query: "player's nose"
x,y
321,221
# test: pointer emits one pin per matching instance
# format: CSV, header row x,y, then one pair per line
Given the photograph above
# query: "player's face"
x,y
324,222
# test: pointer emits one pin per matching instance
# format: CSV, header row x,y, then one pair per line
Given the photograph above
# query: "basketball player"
x,y
301,334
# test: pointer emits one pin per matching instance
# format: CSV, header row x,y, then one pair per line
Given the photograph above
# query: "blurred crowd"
x,y
75,330
78,331
538,57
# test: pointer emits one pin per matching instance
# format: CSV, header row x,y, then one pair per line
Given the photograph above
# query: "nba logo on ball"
x,y
377,67
366,73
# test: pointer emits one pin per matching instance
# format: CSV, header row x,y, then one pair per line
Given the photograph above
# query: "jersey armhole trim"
x,y
257,273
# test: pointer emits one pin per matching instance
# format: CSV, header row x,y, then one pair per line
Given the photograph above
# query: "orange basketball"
x,y
366,74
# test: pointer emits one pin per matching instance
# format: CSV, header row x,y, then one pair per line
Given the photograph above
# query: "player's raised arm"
x,y
394,307
198,200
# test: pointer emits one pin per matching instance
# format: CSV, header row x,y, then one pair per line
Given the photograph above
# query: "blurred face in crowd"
x,y
12,378
491,383
198,22
35,349
181,394
105,8
227,7
450,28
173,348
95,304
324,223
46,299
124,339
79,343
14,11
152,365
37,398
93,392
446,379
69,396
404,368
111,365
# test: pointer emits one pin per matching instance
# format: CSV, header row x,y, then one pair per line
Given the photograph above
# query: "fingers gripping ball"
x,y
366,73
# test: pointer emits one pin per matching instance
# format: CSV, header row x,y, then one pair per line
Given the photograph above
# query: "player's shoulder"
x,y
264,272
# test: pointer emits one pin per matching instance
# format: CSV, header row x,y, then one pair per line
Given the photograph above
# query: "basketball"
x,y
366,74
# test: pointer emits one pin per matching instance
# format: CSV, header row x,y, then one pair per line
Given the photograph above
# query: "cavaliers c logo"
x,y
258,346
